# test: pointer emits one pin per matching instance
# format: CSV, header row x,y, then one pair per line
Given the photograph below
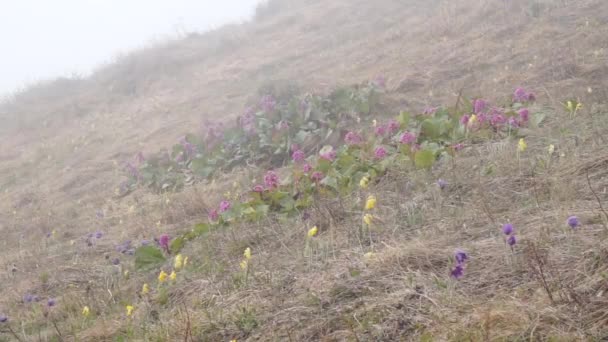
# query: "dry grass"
x,y
61,141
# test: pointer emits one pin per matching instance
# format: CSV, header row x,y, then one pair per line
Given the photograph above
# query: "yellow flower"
x,y
162,277
472,119
86,311
371,202
522,146
173,276
578,107
126,273
244,264
368,218
179,262
374,122
369,256
185,261
247,253
130,309
551,149
364,182
313,231
570,106
145,289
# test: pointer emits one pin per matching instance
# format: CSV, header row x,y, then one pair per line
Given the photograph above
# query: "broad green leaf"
x,y
430,128
424,159
331,182
404,119
177,244
538,118
148,257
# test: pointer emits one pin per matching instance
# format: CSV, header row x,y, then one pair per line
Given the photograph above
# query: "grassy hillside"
x,y
65,144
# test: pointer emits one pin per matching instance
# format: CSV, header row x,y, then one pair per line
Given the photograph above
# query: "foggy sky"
x,y
43,39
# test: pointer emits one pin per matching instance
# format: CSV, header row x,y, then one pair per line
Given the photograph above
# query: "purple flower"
x,y
145,242
407,138
460,256
124,247
51,302
573,222
380,152
316,176
189,148
393,126
271,180
28,298
225,206
132,170
512,240
329,155
98,235
298,156
305,215
139,158
247,121
457,272
507,229
524,114
307,168
442,184
267,103
258,188
3,318
163,241
479,106
115,261
352,138
521,95
464,120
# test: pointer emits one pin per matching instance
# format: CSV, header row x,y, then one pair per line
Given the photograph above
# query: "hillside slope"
x,y
64,144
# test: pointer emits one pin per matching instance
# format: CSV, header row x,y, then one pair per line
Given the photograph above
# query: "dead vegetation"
x,y
61,140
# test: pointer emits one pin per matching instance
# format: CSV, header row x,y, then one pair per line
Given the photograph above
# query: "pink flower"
x,y
271,180
283,125
163,241
258,188
316,176
430,110
298,156
407,138
213,216
513,122
497,120
329,155
520,95
379,81
479,106
458,147
307,168
464,120
381,130
224,206
393,126
524,114
352,138
380,152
